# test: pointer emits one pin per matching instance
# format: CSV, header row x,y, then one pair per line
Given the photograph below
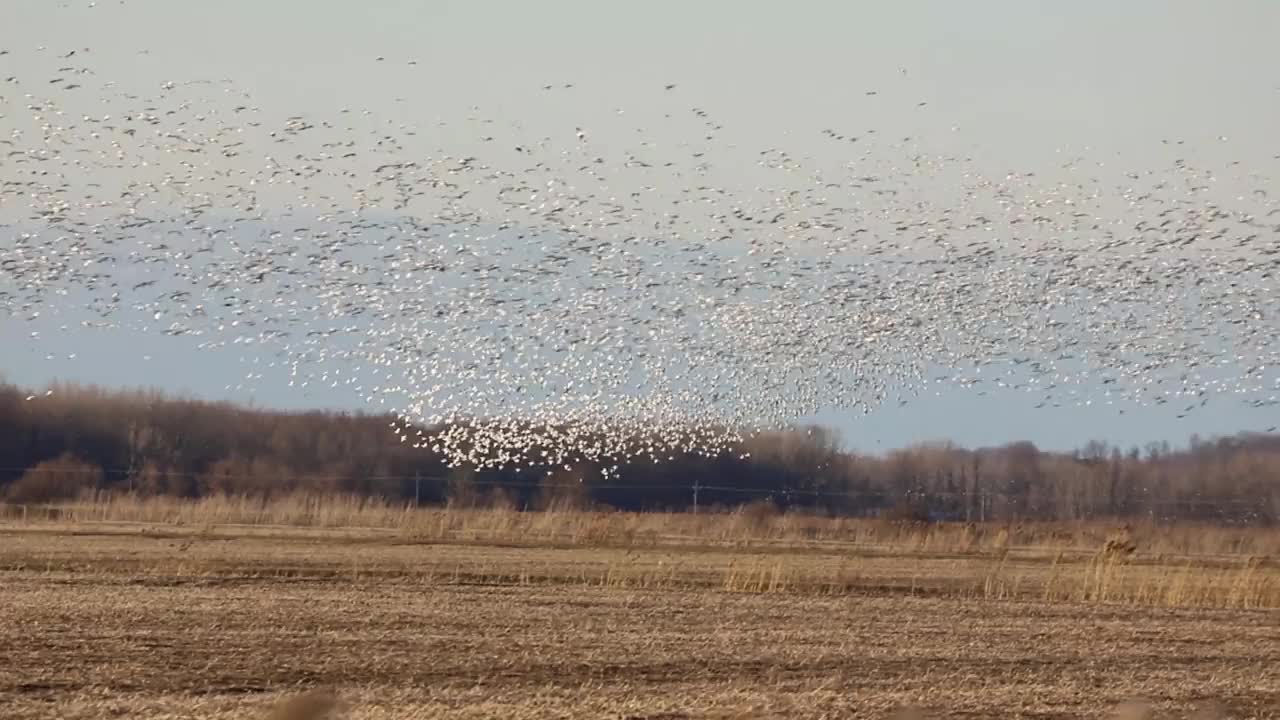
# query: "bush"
x,y
58,479
759,514
914,510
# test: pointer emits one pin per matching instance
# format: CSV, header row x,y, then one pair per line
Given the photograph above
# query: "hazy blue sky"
x,y
1018,79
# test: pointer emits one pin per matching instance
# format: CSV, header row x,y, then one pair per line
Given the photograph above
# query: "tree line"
x,y
77,438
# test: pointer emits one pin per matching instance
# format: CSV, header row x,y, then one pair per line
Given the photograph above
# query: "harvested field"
x,y
149,621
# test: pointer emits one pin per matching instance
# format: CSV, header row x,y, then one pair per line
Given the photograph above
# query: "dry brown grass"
x,y
1105,563
744,527
307,554
105,641
171,617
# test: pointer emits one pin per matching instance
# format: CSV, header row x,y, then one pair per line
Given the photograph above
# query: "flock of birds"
x,y
609,291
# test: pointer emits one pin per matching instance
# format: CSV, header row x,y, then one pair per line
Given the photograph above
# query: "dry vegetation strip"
x,y
1167,566
751,525
210,553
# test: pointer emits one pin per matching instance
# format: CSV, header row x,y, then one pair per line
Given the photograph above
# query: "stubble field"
x,y
138,620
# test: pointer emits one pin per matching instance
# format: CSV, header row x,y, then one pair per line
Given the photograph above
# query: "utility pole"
x,y
417,488
133,453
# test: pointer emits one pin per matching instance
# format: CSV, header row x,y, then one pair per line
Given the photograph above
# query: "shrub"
x,y
57,479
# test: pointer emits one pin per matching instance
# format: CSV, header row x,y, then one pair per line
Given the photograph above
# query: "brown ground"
x,y
153,625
